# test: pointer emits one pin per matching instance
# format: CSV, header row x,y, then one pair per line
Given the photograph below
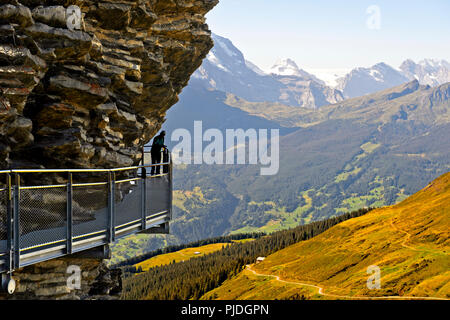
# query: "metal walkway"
x,y
91,208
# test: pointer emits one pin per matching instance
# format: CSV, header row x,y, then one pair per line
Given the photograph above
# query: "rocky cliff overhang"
x,y
91,95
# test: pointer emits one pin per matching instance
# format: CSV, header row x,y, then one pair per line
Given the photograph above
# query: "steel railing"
x,y
90,208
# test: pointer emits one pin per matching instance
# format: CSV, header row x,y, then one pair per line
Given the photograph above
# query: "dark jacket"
x,y
158,144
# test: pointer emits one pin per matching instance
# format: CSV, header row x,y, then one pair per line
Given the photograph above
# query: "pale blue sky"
x,y
334,34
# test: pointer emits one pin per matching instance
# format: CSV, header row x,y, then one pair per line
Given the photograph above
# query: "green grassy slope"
x,y
409,242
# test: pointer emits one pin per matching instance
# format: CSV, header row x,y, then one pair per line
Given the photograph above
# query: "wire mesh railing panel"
x,y
43,214
90,209
3,219
82,207
157,197
128,202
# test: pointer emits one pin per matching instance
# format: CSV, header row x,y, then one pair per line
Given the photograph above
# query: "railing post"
x,y
16,223
144,198
111,205
9,224
161,166
69,230
170,185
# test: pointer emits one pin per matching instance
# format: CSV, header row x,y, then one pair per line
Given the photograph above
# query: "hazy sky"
x,y
335,33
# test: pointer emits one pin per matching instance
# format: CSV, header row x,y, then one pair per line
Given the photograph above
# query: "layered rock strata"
x,y
68,278
92,97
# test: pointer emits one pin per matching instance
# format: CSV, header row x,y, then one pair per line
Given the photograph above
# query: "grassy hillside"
x,y
192,278
139,244
409,242
184,254
179,256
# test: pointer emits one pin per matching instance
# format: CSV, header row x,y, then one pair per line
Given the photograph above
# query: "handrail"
x,y
82,170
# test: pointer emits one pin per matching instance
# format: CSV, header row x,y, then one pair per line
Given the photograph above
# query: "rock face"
x,y
307,93
50,279
93,97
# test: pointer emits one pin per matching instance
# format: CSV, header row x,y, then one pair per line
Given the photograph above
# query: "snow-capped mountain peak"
x,y
361,81
329,75
226,69
222,42
286,67
225,53
433,63
431,72
254,68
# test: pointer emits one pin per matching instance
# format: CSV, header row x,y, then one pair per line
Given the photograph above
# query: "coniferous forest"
x,y
127,264
193,278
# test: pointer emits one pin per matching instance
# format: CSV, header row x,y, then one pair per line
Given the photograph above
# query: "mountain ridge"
x,y
428,105
361,81
226,69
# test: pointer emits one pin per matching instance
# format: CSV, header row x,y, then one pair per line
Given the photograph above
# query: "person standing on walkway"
x,y
158,144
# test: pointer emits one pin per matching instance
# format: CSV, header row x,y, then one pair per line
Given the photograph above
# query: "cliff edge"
x,y
86,84
89,89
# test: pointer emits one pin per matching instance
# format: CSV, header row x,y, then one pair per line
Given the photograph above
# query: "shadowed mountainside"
x,y
373,150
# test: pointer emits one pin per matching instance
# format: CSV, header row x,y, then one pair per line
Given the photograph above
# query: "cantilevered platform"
x,y
93,207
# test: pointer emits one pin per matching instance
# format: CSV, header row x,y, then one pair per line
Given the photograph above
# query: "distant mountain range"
x,y
420,104
429,71
288,68
226,69
370,150
362,81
